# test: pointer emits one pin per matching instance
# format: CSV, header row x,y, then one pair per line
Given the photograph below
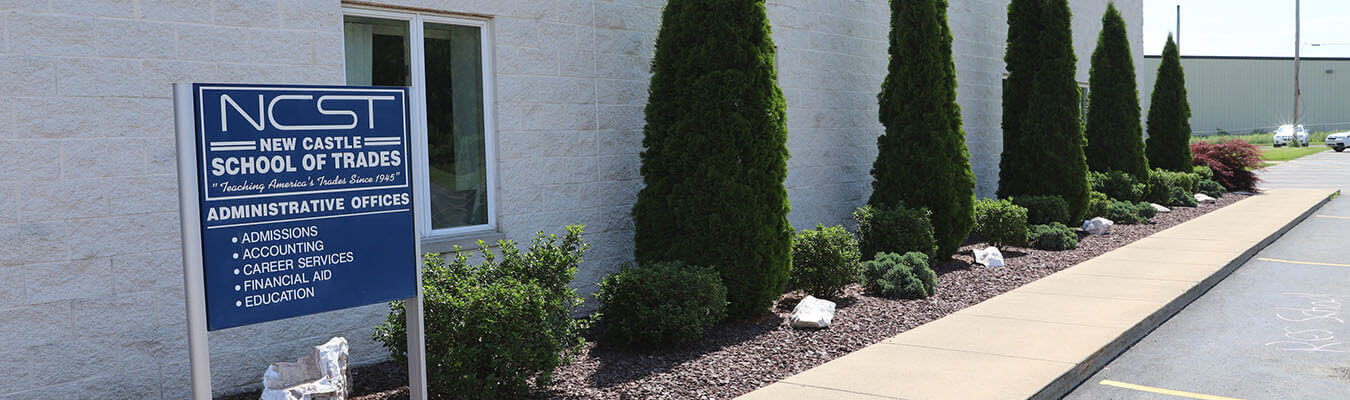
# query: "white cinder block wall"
x,y
91,298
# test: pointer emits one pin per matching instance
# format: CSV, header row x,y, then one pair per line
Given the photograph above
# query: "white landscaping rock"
x,y
812,313
1160,208
1203,198
989,256
322,375
1098,226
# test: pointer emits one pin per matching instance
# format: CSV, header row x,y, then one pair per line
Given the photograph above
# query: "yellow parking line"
x,y
1304,262
1171,392
1332,216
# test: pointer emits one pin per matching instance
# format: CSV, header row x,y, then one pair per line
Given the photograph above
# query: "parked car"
x,y
1286,133
1339,141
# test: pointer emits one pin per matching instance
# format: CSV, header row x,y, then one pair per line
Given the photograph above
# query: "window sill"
x,y
466,242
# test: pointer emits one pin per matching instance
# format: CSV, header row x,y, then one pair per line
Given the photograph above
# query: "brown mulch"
x,y
735,358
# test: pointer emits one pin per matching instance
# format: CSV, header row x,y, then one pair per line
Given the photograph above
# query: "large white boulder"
x,y
322,375
989,257
1203,198
812,313
1098,226
1160,208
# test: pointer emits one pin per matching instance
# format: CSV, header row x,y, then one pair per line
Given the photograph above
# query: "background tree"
x,y
716,151
1043,155
922,158
1115,139
1169,115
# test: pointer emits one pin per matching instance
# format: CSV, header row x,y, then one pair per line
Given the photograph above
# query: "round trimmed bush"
x,y
1000,222
1163,187
824,261
1118,185
1054,236
1097,204
1211,188
904,276
1128,213
894,229
1043,209
494,328
660,304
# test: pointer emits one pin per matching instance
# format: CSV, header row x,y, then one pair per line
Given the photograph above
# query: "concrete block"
x,y
12,289
251,13
195,11
67,280
33,242
60,35
37,325
111,236
90,77
64,199
14,367
116,313
51,117
316,15
29,160
102,158
96,8
144,194
142,271
134,39
27,75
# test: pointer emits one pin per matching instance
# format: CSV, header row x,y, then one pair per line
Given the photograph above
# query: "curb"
x,y
1066,383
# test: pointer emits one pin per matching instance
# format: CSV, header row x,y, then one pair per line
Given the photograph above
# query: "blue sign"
x,y
306,203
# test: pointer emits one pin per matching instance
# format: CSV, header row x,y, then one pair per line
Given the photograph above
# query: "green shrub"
x,y
493,327
1043,209
1115,140
1118,185
1204,171
1211,188
1054,236
922,158
1169,114
715,151
1180,197
1128,212
1097,204
824,261
899,276
1163,185
894,229
1000,222
661,304
1042,129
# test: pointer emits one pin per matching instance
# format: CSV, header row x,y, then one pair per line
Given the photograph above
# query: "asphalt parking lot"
x,y
1277,328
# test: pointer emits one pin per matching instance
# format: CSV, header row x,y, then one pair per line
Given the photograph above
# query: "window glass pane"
x,y
377,51
455,132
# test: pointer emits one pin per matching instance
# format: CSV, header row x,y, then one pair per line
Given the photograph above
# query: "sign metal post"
x,y
295,200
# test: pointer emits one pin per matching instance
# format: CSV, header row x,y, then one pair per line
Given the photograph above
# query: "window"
x,y
444,60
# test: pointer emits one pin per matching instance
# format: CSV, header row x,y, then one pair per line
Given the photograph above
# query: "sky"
x,y
1263,28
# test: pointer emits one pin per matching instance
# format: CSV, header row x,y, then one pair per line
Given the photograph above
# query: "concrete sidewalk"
x,y
1043,339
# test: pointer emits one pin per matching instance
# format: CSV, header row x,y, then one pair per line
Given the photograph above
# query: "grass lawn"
x,y
1269,154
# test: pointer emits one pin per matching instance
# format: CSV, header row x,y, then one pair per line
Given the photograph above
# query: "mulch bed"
x,y
735,358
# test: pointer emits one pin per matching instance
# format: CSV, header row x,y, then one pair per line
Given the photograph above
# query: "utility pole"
x,y
1178,28
1297,32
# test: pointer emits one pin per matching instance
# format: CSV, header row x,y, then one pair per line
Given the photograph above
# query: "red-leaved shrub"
x,y
1232,161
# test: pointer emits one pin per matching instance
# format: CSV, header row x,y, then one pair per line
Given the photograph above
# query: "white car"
x,y
1339,141
1286,133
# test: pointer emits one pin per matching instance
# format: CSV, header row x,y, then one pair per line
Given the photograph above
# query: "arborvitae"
x,y
1115,141
716,151
922,160
1169,115
1043,136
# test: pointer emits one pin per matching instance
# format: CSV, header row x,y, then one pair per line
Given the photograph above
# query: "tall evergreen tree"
x,y
922,158
716,151
1115,140
1043,155
1169,115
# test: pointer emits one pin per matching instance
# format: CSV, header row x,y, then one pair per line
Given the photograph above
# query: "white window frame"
x,y
417,70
